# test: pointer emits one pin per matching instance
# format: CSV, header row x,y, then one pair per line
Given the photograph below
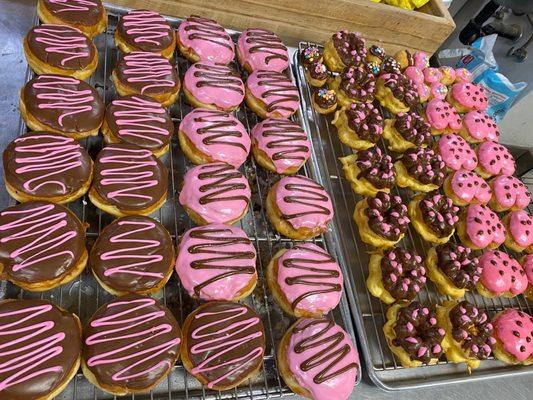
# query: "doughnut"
x,y
396,92
144,30
305,280
369,171
519,229
41,349
432,75
311,55
316,358
478,127
130,345
141,72
478,227
42,245
60,49
382,220
462,75
421,59
215,192
271,94
280,145
467,96
207,136
395,274
448,75
467,187
501,275
438,90
433,216
133,254
46,166
259,49
417,76
359,125
128,180
354,84
527,264
61,104
468,336
139,120
413,334
299,207
89,16
375,54
207,84
513,331
223,344
344,49
508,193
456,153
389,64
404,58
453,268
324,100
494,159
420,170
373,68
442,117
216,262
316,74
405,131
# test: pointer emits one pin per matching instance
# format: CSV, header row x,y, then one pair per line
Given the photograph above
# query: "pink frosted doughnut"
x,y
217,192
414,73
432,75
276,91
218,135
438,90
208,40
214,84
494,159
514,331
322,358
420,59
442,116
520,228
216,262
470,187
480,127
259,49
527,264
509,192
463,75
469,96
456,152
501,274
448,75
483,227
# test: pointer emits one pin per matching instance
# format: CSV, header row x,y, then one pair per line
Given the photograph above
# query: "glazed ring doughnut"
x,y
513,333
344,49
359,125
405,131
501,275
478,228
420,170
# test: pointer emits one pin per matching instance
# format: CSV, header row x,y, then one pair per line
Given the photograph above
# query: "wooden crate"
x,y
315,20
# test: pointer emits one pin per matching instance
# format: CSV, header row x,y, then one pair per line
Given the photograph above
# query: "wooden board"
x,y
316,20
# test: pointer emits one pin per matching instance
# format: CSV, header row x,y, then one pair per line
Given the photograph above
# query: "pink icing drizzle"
x,y
217,134
510,191
148,25
495,159
470,95
521,227
149,68
483,226
262,50
72,47
506,324
480,126
456,152
276,90
432,75
442,115
81,5
527,265
501,273
468,185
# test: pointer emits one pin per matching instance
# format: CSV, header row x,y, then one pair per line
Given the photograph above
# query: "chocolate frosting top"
x,y
350,47
424,165
46,165
78,12
63,103
145,30
401,87
129,177
387,216
439,213
225,342
39,241
358,84
131,342
132,254
366,120
318,70
40,346
325,97
403,273
413,128
376,167
139,120
459,263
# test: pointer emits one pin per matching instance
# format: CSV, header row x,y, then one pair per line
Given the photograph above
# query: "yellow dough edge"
x,y
359,185
126,48
99,202
395,141
374,282
368,235
346,134
331,57
404,180
165,99
444,285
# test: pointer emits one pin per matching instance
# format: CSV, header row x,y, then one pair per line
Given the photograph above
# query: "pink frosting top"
x,y
310,278
483,226
470,95
262,49
469,185
432,75
463,75
323,359
284,142
480,126
514,328
214,83
528,267
521,227
217,134
276,90
217,192
414,73
207,38
495,159
421,59
501,273
438,90
303,202
510,191
456,152
442,115
215,261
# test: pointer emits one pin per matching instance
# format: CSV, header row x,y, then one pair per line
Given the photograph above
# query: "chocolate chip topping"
x,y
389,65
350,47
387,216
403,273
471,327
459,263
318,71
325,98
424,165
376,167
413,128
366,120
401,87
417,332
439,213
358,84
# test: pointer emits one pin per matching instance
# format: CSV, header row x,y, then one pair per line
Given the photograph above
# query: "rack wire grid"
x,y
368,312
83,295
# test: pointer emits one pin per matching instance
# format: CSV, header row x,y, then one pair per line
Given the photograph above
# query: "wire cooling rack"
x,y
369,312
83,295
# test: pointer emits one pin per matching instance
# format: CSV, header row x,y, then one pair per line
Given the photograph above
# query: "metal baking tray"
x,y
83,296
369,312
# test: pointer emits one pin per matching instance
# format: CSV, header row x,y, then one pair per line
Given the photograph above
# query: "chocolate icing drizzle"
x,y
366,120
387,216
358,84
424,165
403,273
281,87
413,128
208,30
265,42
459,263
219,76
287,134
225,178
401,87
350,47
218,120
309,193
439,213
376,167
